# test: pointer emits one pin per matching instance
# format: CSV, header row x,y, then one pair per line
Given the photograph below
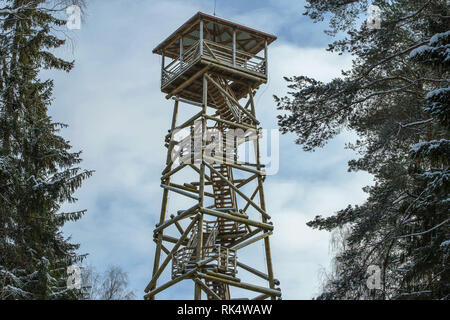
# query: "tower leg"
x,y
198,291
262,202
164,202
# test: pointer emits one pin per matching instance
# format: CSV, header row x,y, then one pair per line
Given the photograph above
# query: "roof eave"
x,y
158,49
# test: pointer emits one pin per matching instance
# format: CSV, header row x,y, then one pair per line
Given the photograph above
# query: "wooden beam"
x,y
253,270
188,122
169,284
172,172
187,82
232,186
272,292
198,171
197,104
206,289
227,216
222,276
188,29
210,51
179,191
258,43
179,228
247,236
191,189
230,123
240,167
182,216
252,240
246,181
166,251
172,239
252,197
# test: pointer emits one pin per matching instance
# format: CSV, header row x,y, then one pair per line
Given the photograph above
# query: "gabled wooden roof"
x,y
248,39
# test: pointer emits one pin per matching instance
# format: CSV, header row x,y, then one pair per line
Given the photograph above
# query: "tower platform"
x,y
210,43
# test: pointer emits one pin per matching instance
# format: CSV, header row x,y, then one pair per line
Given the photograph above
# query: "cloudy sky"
x,y
118,118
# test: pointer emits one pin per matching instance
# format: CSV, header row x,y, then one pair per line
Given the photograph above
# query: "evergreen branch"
x,y
416,123
424,232
415,13
391,57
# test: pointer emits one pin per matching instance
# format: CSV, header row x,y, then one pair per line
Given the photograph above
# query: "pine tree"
x,y
395,98
38,172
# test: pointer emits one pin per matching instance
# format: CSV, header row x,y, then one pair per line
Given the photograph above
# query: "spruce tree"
x,y
38,170
396,99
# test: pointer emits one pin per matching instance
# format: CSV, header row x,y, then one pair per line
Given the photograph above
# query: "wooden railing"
x,y
184,260
218,53
243,60
177,67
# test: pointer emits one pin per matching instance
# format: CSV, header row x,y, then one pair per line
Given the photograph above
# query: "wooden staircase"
x,y
224,233
224,196
227,109
227,231
221,289
225,200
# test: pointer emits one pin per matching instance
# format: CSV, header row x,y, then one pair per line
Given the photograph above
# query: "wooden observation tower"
x,y
214,67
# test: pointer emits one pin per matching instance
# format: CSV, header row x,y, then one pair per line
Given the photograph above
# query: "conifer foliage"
x,y
38,172
396,99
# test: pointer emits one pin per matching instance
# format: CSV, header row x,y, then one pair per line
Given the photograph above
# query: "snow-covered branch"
x,y
423,232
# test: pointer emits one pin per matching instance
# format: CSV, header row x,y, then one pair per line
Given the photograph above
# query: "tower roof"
x,y
249,39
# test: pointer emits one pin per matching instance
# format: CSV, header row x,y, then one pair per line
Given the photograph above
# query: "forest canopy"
x,y
396,99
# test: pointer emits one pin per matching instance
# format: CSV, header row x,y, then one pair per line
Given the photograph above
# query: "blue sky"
x,y
118,117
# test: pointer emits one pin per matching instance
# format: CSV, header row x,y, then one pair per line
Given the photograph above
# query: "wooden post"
x,y
263,207
163,65
234,47
181,53
164,203
266,58
201,37
198,292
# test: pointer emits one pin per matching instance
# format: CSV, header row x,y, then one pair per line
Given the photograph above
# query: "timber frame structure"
x,y
214,66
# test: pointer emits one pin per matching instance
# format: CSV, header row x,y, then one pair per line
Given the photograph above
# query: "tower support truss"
x,y
206,168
